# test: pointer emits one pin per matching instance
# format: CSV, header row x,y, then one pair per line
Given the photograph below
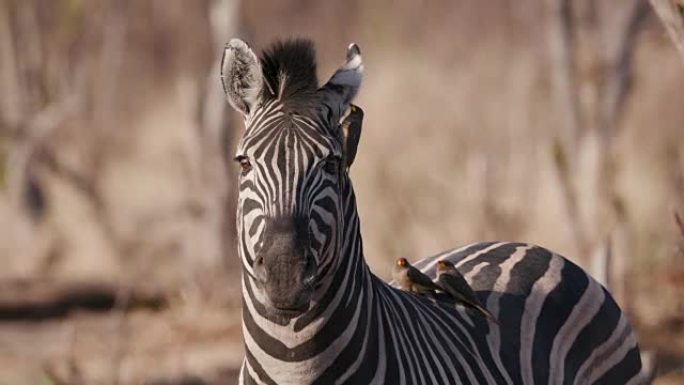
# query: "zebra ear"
x,y
241,76
346,81
351,132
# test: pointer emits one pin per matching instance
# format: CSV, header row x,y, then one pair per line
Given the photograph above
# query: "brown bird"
x,y
412,279
351,130
452,282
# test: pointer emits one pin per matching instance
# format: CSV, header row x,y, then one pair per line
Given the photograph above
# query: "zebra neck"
x,y
351,250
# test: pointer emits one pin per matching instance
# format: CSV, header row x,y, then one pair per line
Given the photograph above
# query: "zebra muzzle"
x,y
285,267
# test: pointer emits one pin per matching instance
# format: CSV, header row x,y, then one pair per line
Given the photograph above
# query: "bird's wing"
x,y
446,284
421,279
487,314
458,288
460,284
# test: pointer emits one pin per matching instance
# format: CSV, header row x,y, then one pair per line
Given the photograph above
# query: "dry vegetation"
x,y
484,120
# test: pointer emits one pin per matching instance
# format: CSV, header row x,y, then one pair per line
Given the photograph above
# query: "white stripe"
x,y
493,301
381,370
286,333
533,305
356,364
251,373
409,341
581,315
470,348
430,268
429,335
480,252
591,367
283,372
618,354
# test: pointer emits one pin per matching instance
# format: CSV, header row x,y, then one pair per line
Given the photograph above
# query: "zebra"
x,y
314,313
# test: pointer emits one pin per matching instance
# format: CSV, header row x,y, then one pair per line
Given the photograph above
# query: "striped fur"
x,y
558,325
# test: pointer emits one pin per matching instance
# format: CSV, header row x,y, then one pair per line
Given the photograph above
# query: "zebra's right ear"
x,y
241,76
342,87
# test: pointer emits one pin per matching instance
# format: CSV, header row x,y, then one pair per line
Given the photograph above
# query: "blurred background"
x,y
559,123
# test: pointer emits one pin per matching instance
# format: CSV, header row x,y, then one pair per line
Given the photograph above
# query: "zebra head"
x,y
298,143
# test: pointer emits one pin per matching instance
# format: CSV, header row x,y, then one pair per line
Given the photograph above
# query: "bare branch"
x,y
618,79
678,222
621,44
602,263
214,133
671,13
562,53
22,300
561,163
561,50
11,92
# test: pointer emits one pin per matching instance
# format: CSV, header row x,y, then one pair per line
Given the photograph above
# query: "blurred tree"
x,y
592,72
75,74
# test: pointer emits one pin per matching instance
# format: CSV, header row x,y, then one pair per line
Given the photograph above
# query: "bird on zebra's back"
x,y
412,279
452,282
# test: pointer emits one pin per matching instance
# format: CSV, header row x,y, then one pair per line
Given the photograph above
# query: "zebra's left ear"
x,y
351,132
241,76
342,87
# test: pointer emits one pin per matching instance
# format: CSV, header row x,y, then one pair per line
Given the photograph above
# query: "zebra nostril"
x,y
310,269
260,269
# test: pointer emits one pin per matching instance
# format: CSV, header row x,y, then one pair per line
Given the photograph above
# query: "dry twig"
x,y
671,13
678,222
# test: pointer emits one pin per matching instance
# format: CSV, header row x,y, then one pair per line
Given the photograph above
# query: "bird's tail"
x,y
487,314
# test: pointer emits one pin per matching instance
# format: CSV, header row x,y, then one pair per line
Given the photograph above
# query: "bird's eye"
x,y
245,164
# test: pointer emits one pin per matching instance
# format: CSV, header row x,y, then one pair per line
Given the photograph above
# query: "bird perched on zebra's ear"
x,y
412,279
453,283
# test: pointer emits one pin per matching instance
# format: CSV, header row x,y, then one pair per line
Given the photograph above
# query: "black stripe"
x,y
258,369
593,335
557,308
628,368
326,336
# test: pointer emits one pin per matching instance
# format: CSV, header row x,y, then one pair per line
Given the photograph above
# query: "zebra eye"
x,y
331,165
244,163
